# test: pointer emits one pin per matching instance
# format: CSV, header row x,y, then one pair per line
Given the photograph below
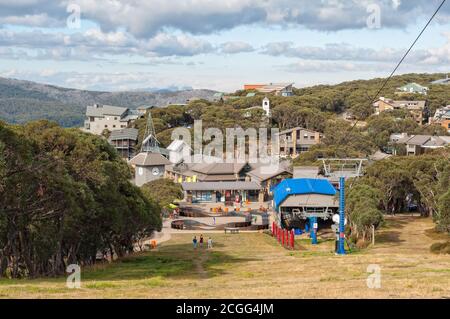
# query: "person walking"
x,y
210,243
194,242
201,241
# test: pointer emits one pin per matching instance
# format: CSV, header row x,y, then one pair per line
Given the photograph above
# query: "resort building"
x,y
297,140
106,117
278,89
416,108
420,144
124,141
222,182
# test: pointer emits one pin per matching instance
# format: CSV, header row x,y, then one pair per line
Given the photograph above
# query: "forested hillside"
x,y
23,101
318,108
65,196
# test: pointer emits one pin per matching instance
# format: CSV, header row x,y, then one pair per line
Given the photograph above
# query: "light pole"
x,y
341,248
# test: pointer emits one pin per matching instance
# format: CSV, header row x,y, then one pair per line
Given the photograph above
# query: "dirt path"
x,y
406,234
199,265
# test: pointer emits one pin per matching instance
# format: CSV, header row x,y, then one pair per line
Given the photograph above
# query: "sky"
x,y
117,45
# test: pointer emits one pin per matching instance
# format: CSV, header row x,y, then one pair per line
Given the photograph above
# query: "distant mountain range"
x,y
23,101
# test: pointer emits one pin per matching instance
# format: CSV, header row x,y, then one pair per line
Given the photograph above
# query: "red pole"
x,y
292,239
278,233
287,237
273,229
282,238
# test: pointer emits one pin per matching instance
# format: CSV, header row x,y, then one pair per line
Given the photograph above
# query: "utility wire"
x,y
373,99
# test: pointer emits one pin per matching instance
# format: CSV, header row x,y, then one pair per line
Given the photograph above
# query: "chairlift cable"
x,y
373,99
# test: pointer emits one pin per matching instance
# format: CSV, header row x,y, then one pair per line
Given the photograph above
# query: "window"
x,y
106,126
114,126
302,149
115,118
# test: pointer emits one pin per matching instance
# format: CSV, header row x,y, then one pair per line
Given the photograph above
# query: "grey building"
x,y
106,117
420,144
124,141
149,167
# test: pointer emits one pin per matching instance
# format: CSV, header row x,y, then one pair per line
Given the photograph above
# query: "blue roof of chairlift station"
x,y
301,186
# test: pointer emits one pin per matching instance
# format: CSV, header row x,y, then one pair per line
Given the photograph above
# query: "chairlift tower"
x,y
340,169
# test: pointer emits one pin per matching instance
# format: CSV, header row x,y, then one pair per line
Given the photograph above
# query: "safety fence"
x,y
285,237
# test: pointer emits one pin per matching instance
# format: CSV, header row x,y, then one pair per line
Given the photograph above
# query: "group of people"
x,y
200,242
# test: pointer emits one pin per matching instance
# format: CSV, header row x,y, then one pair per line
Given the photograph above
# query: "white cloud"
x,y
341,52
145,19
233,47
95,44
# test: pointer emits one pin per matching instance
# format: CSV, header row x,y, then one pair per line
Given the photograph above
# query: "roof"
x,y
264,173
144,107
274,87
124,134
379,155
177,146
149,159
218,186
414,86
218,168
425,140
414,139
442,81
296,129
301,186
306,172
251,94
99,110
436,141
132,116
311,200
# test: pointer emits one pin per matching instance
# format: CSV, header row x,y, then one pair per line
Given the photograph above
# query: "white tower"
x,y
266,106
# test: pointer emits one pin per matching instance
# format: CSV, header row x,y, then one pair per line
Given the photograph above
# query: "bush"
x,y
440,248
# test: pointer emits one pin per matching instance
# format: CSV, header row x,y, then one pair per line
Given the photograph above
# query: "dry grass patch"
x,y
253,265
